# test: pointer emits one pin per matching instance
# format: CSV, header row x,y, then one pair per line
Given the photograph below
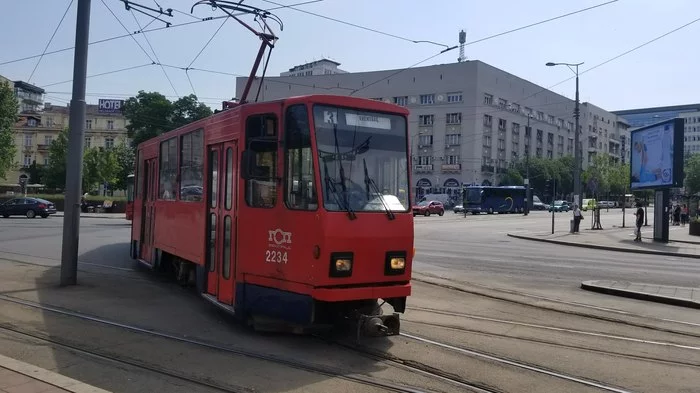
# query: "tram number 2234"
x,y
272,256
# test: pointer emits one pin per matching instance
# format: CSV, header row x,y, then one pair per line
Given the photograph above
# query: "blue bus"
x,y
489,199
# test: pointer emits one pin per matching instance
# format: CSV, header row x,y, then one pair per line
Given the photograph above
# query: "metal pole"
x,y
577,151
74,162
554,193
624,204
528,191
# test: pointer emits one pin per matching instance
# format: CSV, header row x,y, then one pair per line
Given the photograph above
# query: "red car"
x,y
426,208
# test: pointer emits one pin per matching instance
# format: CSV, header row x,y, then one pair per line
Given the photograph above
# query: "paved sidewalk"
x,y
679,296
619,239
97,215
16,376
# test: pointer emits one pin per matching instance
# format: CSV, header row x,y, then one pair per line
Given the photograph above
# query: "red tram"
x,y
294,212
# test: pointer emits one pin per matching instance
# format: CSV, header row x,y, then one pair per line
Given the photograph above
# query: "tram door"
x,y
221,228
150,193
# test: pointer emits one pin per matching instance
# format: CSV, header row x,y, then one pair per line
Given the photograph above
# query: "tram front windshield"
x,y
363,159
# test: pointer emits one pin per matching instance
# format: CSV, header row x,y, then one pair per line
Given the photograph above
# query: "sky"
x,y
661,73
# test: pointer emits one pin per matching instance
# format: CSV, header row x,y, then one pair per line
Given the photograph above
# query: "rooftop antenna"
x,y
267,39
462,41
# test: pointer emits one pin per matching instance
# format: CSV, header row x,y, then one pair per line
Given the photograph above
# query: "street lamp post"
x,y
577,151
528,190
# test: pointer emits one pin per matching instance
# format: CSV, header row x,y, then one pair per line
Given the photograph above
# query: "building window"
x,y
425,160
31,122
48,139
192,166
454,97
487,141
488,120
109,143
550,119
88,124
88,142
426,120
515,107
454,118
27,160
502,103
501,124
301,189
110,124
427,99
46,160
425,140
452,139
402,101
515,129
261,140
488,99
452,160
168,169
27,140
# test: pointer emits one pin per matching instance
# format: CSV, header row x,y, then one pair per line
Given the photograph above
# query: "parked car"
x,y
559,206
426,208
27,206
588,204
537,204
458,208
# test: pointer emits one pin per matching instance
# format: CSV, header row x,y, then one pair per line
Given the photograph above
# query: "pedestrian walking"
x,y
639,223
684,214
577,218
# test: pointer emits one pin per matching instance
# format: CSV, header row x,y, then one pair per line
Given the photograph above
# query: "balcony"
x,y
27,149
451,167
422,168
43,147
487,168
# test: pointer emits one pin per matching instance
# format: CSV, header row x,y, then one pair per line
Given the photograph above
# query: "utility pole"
x,y
528,191
74,163
554,193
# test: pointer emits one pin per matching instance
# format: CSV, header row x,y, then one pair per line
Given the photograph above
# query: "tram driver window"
x,y
300,190
168,169
261,139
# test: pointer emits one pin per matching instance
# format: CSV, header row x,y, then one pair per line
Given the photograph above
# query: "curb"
x,y
48,377
607,248
103,217
675,301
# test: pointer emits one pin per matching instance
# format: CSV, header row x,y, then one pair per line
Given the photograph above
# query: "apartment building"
x,y
468,120
689,113
318,67
40,123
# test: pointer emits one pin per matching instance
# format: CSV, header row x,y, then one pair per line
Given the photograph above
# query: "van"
x,y
588,204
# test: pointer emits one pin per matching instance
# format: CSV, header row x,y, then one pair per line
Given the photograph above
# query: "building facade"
x,y
40,123
314,68
689,113
468,120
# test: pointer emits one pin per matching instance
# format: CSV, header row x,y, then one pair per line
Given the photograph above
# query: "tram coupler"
x,y
378,325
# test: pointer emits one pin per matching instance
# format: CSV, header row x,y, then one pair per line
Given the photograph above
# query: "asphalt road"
x,y
509,314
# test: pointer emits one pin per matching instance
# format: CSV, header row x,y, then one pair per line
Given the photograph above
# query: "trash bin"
x,y
571,226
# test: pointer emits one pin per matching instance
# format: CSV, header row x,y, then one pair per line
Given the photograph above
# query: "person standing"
x,y
639,223
577,218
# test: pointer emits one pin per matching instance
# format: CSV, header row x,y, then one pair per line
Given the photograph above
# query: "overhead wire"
x,y
50,40
128,31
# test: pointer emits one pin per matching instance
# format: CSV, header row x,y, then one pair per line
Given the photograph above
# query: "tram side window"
x,y
261,133
300,188
192,166
168,169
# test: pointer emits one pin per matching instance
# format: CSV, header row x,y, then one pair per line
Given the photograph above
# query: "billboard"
x,y
657,156
109,106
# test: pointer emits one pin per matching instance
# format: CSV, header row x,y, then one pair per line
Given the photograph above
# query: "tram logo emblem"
x,y
279,237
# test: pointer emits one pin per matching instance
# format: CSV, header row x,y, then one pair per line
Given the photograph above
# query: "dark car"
x,y
26,206
559,206
426,208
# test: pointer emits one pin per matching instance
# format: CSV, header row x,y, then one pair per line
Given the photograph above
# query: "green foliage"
x,y
99,166
8,118
151,114
692,174
126,159
512,177
54,175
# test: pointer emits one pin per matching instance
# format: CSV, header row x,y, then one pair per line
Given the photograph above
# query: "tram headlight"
x,y
395,263
341,264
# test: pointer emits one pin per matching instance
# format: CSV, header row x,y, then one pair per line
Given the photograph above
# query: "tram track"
x,y
604,318
292,363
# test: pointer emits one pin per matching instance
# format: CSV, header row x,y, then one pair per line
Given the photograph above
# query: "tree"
x,y
55,172
596,177
692,174
126,159
151,114
512,177
8,118
99,166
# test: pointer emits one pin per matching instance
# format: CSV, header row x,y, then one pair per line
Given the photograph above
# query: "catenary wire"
x,y
50,40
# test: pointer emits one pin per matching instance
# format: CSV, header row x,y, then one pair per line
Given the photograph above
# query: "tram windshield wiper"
x,y
330,188
369,183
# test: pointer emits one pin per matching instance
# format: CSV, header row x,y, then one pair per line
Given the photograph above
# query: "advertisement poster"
x,y
652,157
